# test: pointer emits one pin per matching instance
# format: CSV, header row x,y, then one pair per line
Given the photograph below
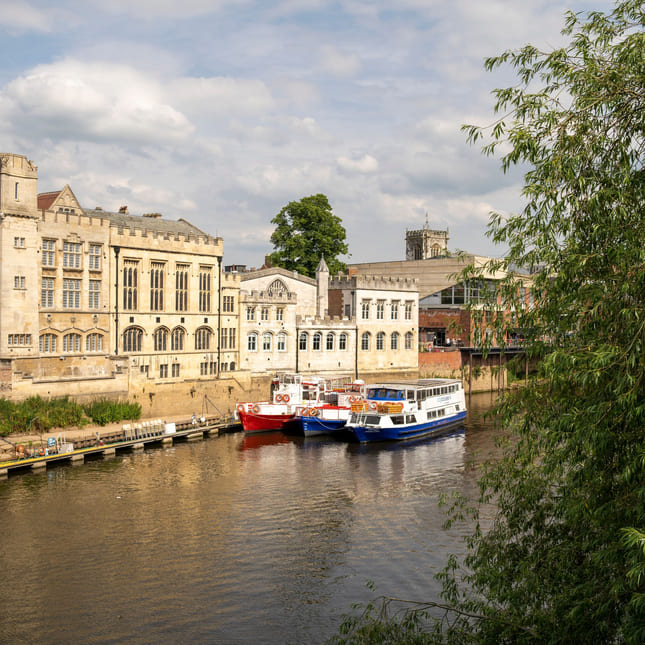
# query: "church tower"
x,y
425,243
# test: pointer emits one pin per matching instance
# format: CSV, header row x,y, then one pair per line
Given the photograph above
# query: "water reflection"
x,y
263,539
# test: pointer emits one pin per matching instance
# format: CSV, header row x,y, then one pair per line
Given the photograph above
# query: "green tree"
x,y
306,231
564,558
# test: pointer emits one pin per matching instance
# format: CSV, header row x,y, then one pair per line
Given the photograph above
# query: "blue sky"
x,y
223,111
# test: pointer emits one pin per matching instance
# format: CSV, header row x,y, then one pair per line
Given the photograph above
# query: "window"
x,y
71,343
163,370
130,284
49,253
160,338
19,340
365,341
408,311
380,310
132,339
177,339
94,343
365,310
408,340
175,370
205,288
394,310
47,292
277,286
264,313
71,255
181,287
267,342
227,338
19,242
157,271
303,341
231,338
95,257
380,340
203,338
94,294
228,304
279,314
47,343
252,342
342,342
18,281
330,342
71,293
316,341
282,342
394,340
250,313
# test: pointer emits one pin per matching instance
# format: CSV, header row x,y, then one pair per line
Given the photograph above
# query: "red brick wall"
x,y
439,363
444,319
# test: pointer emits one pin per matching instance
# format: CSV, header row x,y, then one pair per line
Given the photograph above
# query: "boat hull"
x,y
259,422
312,426
435,427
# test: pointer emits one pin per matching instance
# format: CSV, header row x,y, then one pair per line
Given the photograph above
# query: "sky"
x,y
221,112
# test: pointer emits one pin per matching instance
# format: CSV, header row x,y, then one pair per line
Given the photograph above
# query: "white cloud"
x,y
366,164
337,63
96,101
19,16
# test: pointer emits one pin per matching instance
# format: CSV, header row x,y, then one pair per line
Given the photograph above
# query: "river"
x,y
265,540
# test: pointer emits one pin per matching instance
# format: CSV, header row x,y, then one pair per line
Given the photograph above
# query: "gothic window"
x,y
342,342
181,287
177,339
71,343
394,340
330,342
203,338
132,339
277,286
365,341
130,284
94,343
47,343
380,340
157,272
160,339
303,341
205,289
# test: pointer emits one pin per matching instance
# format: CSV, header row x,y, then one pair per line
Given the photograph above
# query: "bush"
x,y
104,411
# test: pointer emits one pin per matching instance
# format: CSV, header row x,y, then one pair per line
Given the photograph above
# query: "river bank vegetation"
x,y
35,414
564,561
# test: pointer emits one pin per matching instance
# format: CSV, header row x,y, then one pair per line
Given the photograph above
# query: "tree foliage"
x,y
307,230
564,560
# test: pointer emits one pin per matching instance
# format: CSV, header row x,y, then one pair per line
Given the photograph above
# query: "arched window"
x,y
132,339
203,338
394,340
365,340
380,340
177,339
252,342
408,340
342,341
303,341
330,342
47,343
316,341
277,286
71,343
94,343
161,339
282,342
267,341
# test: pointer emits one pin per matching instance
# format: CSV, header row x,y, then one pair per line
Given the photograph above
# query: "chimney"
x,y
124,210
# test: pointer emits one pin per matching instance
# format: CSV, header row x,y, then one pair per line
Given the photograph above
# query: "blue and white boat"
x,y
408,410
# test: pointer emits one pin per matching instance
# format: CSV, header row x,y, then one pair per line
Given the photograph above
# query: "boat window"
x,y
410,395
372,420
410,418
382,394
457,408
392,394
397,419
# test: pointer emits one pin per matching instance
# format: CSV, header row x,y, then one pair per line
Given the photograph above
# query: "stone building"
x,y
95,302
425,243
360,326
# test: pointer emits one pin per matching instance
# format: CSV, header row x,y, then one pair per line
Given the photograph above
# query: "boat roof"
x,y
416,384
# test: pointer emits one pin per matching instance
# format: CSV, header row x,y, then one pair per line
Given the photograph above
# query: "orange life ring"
x,y
285,398
278,397
352,399
240,407
314,412
20,449
256,408
41,451
373,405
305,412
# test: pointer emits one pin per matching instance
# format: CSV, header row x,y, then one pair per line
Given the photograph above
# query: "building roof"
x,y
45,200
153,224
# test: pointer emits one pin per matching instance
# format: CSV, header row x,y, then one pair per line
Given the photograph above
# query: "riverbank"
x,y
71,435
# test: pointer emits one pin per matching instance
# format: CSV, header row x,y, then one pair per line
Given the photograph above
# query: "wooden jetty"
x,y
132,437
